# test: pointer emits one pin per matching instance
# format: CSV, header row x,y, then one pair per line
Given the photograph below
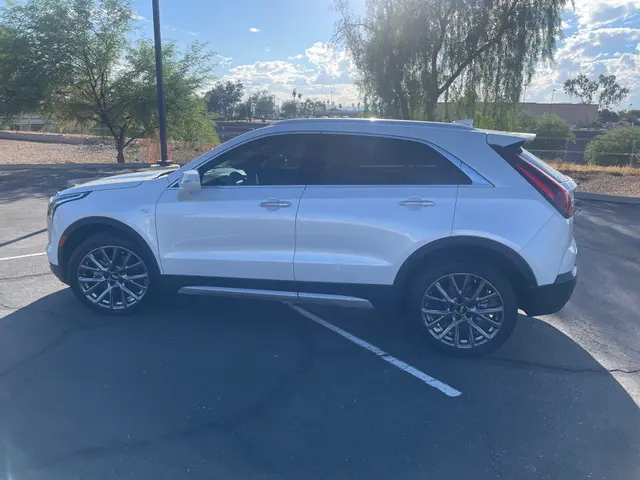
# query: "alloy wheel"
x,y
113,277
462,310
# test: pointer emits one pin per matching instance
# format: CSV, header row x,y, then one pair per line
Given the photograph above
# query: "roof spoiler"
x,y
509,139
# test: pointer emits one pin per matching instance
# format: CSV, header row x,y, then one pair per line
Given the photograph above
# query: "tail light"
x,y
554,191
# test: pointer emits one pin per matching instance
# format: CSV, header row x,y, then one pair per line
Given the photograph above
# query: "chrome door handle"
x,y
273,203
416,202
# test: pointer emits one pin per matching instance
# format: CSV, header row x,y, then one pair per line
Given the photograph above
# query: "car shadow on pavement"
x,y
238,389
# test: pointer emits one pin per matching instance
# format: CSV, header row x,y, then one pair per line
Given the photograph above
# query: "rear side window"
x,y
369,160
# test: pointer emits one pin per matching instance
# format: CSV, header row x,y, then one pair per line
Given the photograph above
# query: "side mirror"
x,y
189,181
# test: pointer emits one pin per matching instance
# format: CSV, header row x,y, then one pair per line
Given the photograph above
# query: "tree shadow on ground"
x,y
237,389
20,184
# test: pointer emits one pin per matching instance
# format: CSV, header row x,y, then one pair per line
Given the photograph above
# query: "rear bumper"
x,y
549,299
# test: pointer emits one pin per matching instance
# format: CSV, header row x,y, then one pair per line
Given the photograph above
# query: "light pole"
x,y
162,121
552,94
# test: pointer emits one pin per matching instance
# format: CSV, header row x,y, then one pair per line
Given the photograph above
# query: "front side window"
x,y
274,160
371,160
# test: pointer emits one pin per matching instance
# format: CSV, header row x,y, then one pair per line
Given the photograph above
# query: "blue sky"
x,y
285,44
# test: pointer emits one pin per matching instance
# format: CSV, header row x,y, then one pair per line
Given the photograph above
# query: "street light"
x,y
551,106
162,121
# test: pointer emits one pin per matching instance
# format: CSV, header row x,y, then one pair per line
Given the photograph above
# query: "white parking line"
x,y
432,382
22,256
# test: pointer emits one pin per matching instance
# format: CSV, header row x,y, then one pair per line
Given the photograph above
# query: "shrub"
x,y
615,147
552,133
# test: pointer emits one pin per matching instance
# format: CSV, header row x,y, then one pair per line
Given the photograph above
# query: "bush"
x,y
615,147
552,134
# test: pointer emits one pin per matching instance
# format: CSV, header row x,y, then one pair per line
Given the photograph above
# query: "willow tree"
x,y
411,52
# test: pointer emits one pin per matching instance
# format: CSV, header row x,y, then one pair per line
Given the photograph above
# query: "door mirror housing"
x,y
189,181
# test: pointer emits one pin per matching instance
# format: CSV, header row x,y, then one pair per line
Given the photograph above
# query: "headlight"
x,y
58,199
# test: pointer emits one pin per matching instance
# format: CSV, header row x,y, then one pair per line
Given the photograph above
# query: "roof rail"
x,y
377,121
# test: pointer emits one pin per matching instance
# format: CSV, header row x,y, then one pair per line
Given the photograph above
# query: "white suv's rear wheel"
x,y
464,308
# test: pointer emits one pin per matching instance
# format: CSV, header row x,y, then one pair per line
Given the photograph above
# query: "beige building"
x,y
576,114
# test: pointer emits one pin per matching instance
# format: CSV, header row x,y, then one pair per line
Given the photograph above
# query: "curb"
x,y
607,198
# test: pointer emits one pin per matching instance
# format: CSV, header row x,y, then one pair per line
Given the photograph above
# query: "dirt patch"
x,y
20,152
607,183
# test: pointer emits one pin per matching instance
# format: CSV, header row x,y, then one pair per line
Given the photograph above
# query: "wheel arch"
x,y
85,227
506,259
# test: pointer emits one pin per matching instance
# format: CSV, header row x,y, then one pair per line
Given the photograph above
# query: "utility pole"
x,y
162,121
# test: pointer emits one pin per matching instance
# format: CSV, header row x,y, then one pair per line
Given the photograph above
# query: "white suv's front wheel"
x,y
464,308
110,274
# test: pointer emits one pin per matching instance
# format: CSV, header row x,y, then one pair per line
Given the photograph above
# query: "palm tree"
x,y
294,94
299,96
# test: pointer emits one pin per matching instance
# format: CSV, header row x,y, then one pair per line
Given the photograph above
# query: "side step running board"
x,y
318,298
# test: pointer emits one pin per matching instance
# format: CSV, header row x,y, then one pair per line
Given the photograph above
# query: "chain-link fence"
x,y
578,152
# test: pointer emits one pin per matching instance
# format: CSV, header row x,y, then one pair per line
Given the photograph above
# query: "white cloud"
x,y
254,30
601,41
267,49
322,72
595,13
224,61
608,51
194,34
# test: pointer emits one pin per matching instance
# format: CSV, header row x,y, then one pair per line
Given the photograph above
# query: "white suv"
x,y
458,226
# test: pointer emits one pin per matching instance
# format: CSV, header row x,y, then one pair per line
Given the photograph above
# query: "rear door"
x,y
370,202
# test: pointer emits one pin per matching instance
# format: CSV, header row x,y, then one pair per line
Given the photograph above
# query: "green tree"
x,y
264,104
619,146
23,85
581,88
552,135
311,108
289,108
93,74
610,91
224,97
607,116
410,52
631,116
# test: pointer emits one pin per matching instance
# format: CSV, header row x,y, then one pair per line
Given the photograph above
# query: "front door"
x,y
241,224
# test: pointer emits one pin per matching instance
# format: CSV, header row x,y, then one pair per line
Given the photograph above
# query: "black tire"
x,y
423,280
109,240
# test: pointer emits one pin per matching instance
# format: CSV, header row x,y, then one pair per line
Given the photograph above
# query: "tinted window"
x,y
272,160
368,160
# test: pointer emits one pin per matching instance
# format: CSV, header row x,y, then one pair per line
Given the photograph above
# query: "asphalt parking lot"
x,y
201,388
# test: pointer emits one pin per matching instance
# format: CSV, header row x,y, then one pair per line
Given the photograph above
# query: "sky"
x,y
285,44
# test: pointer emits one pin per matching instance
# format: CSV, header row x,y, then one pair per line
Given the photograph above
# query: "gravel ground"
x,y
17,152
608,184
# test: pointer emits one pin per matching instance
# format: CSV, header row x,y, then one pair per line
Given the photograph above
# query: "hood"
x,y
125,180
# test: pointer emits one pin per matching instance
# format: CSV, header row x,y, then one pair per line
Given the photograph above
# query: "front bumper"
x,y
549,299
57,271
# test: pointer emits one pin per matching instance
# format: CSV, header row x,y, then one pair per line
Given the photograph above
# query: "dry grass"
x,y
578,168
